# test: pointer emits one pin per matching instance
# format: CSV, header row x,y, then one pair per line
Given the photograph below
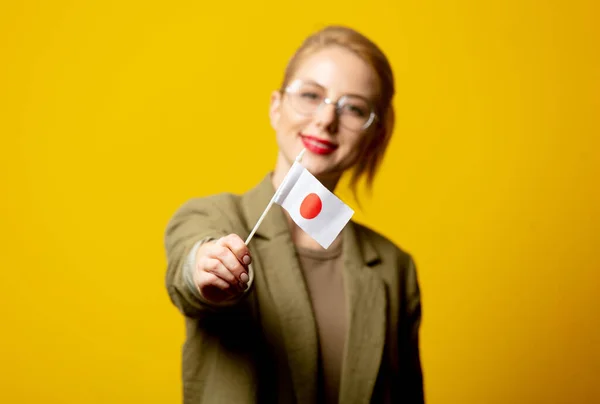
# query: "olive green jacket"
x,y
264,348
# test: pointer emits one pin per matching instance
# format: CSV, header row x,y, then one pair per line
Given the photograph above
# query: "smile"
x,y
318,146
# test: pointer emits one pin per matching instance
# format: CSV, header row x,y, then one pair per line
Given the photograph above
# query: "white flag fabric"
x,y
312,206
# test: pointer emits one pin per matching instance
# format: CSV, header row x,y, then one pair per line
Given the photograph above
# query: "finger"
x,y
210,279
214,288
237,247
231,262
216,267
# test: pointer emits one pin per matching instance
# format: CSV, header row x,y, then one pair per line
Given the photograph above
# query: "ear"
x,y
275,109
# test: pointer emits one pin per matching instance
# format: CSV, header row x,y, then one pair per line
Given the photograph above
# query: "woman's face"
x,y
301,120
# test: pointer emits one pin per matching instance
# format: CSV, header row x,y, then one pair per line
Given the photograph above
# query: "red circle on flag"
x,y
311,206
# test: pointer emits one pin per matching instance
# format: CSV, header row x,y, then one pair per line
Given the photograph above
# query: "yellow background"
x,y
112,114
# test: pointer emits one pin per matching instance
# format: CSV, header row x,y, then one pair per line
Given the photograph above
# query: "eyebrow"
x,y
344,94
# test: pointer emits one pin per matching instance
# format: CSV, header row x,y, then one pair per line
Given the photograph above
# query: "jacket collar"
x,y
256,200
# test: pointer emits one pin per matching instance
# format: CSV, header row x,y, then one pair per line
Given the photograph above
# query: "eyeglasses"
x,y
354,112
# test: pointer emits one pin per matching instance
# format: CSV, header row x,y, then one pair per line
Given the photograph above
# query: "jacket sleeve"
x,y
410,361
196,220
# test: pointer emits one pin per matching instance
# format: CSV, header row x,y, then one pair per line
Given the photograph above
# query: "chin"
x,y
322,173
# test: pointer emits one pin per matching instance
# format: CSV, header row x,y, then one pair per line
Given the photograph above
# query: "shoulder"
x,y
223,210
222,202
388,251
395,265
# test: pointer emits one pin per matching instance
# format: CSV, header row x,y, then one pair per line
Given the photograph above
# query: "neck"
x,y
283,165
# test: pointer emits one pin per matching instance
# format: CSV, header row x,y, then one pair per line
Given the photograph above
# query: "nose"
x,y
327,117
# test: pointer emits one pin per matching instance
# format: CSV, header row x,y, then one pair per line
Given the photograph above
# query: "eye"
x,y
355,110
310,95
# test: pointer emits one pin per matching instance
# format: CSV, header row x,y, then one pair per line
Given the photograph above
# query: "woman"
x,y
282,319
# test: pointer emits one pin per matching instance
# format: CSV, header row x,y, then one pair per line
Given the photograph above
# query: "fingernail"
x,y
244,278
247,260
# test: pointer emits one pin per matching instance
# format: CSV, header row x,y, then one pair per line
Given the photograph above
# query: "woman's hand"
x,y
221,268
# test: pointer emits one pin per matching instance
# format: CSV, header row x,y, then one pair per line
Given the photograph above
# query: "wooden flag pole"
x,y
298,159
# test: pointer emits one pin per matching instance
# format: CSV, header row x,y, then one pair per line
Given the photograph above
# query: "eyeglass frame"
x,y
328,101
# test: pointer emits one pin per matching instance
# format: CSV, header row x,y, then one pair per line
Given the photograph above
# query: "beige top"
x,y
323,274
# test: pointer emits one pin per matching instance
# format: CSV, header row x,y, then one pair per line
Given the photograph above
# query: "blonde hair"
x,y
373,147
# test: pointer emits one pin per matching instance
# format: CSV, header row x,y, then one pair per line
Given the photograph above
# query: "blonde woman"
x,y
283,320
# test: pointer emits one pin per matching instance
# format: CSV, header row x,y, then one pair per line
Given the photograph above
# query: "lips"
x,y
318,146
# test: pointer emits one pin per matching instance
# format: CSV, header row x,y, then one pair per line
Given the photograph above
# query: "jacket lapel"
x,y
367,302
286,285
365,296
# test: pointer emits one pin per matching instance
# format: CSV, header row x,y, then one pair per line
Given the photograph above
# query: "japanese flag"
x,y
312,206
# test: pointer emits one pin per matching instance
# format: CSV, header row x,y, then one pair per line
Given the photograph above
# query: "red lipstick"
x,y
318,146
